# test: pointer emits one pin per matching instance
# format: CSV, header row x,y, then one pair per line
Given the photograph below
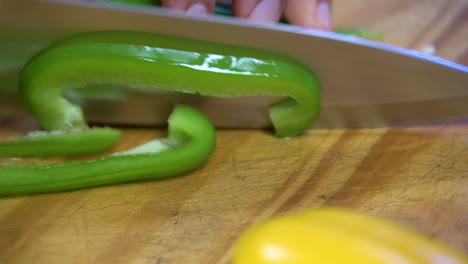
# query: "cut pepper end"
x,y
291,119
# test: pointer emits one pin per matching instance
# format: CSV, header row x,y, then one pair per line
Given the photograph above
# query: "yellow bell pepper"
x,y
334,235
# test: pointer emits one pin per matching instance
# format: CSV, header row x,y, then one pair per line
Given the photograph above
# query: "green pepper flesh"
x,y
152,62
61,143
168,63
190,142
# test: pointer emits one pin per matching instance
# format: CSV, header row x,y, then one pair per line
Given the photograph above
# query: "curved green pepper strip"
x,y
167,63
190,141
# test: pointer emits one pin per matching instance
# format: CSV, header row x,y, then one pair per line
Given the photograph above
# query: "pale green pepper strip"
x,y
360,32
190,142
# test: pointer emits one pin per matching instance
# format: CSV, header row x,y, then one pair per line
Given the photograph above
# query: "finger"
x,y
258,10
198,7
309,13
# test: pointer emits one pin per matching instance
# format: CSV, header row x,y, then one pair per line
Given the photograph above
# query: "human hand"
x,y
307,13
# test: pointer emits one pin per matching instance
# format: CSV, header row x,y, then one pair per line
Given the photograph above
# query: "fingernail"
x,y
197,9
323,14
267,11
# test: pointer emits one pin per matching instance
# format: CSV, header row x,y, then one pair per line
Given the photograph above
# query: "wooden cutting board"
x,y
414,176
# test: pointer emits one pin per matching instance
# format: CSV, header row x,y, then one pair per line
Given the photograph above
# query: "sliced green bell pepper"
x,y
167,63
154,62
189,144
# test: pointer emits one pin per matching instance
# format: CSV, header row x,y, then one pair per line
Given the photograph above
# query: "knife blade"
x,y
364,83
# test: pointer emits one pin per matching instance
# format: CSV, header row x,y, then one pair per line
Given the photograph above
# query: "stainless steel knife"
x,y
364,83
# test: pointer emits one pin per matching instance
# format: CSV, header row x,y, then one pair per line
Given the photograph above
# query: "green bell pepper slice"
x,y
167,63
157,62
190,142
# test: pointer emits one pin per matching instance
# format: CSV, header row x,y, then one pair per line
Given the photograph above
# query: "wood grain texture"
x,y
414,176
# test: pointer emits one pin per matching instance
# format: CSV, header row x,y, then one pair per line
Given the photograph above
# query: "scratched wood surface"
x,y
414,176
